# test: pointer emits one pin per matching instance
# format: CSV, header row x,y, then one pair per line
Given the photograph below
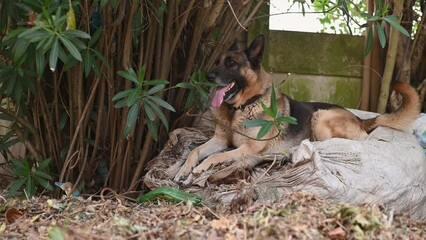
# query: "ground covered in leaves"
x,y
297,216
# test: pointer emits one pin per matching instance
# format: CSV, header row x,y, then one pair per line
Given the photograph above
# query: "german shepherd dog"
x,y
242,84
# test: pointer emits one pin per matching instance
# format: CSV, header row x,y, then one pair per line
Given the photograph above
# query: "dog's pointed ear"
x,y
233,47
255,50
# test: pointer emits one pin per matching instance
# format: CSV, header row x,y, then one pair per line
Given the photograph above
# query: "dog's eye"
x,y
230,63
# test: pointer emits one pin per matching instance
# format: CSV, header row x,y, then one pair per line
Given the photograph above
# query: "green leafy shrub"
x,y
140,97
29,176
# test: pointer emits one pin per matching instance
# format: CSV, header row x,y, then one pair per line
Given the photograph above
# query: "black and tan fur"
x,y
252,85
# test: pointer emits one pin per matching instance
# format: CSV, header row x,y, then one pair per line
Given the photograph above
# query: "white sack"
x,y
388,168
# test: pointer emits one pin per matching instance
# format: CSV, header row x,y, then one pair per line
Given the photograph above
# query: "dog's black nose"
x,y
211,76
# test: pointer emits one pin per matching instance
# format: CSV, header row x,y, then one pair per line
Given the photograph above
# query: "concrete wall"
x,y
316,66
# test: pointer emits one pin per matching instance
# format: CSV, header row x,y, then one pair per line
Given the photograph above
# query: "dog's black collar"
x,y
252,100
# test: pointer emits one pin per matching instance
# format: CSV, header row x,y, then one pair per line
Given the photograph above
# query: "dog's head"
x,y
238,75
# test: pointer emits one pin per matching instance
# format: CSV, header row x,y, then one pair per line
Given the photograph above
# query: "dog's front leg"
x,y
214,145
229,156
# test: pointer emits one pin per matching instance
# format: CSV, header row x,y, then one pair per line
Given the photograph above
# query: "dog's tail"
x,y
403,116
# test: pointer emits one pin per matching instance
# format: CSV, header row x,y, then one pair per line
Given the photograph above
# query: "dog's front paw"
x,y
187,167
204,166
182,174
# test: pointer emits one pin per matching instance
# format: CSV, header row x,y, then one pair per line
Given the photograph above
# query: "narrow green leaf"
x,y
393,20
161,102
13,34
63,56
10,134
95,37
42,175
18,164
87,63
11,85
121,103
204,94
71,48
155,82
365,25
190,100
43,182
264,129
37,36
287,119
273,106
155,89
148,111
56,18
381,34
21,164
77,43
6,145
185,85
28,32
20,172
254,123
15,185
6,117
152,128
130,75
101,57
40,63
365,15
171,193
103,3
373,18
43,164
141,76
20,48
44,46
30,187
132,117
134,96
122,94
18,91
26,164
97,70
159,114
53,56
63,120
379,4
369,41
267,110
76,33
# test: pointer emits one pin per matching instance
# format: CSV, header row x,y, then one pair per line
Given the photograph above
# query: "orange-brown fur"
x,y
318,121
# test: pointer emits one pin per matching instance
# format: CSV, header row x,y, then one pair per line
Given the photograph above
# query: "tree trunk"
x,y
390,60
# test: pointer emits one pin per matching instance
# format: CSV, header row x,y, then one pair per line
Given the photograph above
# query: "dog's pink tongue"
x,y
218,96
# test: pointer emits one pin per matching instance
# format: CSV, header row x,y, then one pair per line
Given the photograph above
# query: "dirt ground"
x,y
297,216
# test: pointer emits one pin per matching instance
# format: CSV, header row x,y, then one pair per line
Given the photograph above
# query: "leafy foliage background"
x,y
92,88
95,86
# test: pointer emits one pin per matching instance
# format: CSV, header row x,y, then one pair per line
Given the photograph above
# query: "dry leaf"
x,y
2,227
230,236
53,203
12,214
337,233
221,223
35,218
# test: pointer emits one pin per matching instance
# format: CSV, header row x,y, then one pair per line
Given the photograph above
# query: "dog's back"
x,y
326,124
